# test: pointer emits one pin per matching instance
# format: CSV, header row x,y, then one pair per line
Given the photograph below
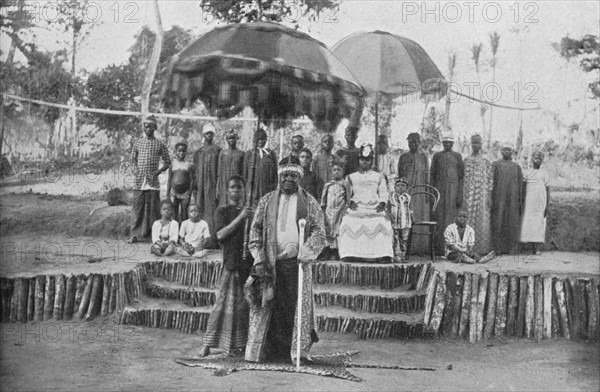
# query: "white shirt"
x,y
194,232
170,231
287,228
464,244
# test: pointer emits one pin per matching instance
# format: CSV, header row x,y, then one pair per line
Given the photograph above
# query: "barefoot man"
x,y
145,157
272,289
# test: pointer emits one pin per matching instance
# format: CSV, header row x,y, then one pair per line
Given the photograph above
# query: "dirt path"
x,y
103,357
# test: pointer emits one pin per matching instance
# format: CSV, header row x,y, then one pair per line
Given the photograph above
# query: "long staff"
x,y
301,226
250,201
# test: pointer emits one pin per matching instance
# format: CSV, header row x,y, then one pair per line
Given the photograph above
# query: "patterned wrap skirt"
x,y
227,326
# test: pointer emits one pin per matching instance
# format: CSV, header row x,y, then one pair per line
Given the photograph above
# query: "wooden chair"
x,y
434,196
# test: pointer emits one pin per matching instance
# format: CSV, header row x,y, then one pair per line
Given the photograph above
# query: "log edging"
x,y
478,306
69,296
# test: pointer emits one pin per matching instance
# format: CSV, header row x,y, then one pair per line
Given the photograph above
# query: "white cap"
x,y
208,128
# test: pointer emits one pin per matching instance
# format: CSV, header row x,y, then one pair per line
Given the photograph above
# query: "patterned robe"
x,y
506,205
231,163
263,247
206,162
447,173
334,201
386,165
415,168
477,198
265,179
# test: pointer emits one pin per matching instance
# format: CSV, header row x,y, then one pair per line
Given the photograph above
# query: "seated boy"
x,y
193,234
460,240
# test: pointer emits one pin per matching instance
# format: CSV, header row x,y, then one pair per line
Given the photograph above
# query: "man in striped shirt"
x,y
145,158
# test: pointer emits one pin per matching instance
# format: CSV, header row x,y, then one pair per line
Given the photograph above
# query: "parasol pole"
x,y
375,164
246,252
281,132
301,227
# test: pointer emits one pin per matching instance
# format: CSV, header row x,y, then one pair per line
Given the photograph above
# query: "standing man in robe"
x,y
297,144
536,196
507,203
145,157
479,180
385,162
447,174
323,161
231,163
260,165
272,290
350,154
414,166
206,162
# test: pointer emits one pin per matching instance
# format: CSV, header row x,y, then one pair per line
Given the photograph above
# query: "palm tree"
x,y
494,43
451,66
475,55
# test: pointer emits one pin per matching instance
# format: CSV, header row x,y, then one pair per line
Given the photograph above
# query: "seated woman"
x,y
365,232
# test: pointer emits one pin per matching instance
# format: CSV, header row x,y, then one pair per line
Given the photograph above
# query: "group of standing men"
x,y
205,180
501,200
212,166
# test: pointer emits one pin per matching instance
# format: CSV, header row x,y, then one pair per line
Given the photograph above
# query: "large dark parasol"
x,y
279,72
386,64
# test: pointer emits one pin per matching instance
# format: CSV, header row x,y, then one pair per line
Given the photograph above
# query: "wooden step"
x,y
206,272
189,295
172,314
166,314
371,300
369,325
384,276
363,299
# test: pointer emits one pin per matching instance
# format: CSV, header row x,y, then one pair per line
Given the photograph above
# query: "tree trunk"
x,y
451,65
154,58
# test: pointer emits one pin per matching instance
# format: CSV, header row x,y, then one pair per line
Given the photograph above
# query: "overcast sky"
x,y
439,27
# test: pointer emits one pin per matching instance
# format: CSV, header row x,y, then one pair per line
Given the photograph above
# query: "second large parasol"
x,y
390,65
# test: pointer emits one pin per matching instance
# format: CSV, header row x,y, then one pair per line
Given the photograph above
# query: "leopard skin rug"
x,y
328,365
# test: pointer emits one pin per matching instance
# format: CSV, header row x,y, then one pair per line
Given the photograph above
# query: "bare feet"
x,y
132,240
154,250
204,351
467,260
487,257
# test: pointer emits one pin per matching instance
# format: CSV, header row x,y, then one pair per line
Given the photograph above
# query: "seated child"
x,y
460,240
227,326
334,202
180,182
193,234
164,231
400,215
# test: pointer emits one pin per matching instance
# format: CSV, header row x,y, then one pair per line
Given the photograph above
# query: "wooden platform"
x,y
552,296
